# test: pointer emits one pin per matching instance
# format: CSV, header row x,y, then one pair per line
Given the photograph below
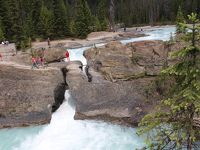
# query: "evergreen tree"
x,y
1,32
102,14
97,25
61,19
46,22
1,35
35,13
27,18
83,19
175,125
179,21
15,25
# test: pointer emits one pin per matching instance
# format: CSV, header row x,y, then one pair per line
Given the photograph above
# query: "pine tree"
x,y
61,19
102,14
28,19
16,26
180,20
83,21
97,24
46,22
35,13
175,125
1,35
1,32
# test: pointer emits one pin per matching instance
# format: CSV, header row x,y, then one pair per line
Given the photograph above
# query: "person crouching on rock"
x,y
34,63
67,55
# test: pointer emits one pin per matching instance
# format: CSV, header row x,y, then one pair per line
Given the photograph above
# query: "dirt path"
x,y
16,65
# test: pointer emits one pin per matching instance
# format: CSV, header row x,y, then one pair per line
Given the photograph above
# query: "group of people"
x,y
36,62
40,61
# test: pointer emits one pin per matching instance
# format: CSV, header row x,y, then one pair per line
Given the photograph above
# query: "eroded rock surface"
x,y
137,59
120,88
28,97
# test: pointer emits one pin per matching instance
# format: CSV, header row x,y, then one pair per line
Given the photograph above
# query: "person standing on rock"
x,y
67,55
48,42
124,28
34,63
1,58
42,61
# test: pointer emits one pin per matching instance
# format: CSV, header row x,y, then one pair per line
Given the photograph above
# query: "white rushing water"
x,y
64,133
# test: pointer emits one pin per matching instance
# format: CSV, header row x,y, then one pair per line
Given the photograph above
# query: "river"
x,y
65,133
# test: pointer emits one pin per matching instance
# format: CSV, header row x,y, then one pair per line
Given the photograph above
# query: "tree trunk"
x,y
112,16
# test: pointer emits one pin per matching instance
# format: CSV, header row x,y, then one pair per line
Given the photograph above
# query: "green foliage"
x,y
83,21
46,22
173,125
97,25
61,19
72,28
180,21
102,15
1,32
1,35
39,19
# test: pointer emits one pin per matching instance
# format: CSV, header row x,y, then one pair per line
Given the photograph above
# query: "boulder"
x,y
121,102
51,55
117,61
28,97
149,54
119,84
54,54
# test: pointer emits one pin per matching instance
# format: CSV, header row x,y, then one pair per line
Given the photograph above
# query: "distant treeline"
x,y
22,21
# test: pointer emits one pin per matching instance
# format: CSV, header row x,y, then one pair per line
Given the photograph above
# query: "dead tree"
x,y
112,15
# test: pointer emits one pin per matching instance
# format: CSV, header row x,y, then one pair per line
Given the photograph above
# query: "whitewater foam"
x,y
64,133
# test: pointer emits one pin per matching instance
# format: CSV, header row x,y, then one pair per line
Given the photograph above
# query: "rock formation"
x,y
28,97
120,88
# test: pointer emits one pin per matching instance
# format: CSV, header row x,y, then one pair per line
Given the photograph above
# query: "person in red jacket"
x,y
67,55
34,62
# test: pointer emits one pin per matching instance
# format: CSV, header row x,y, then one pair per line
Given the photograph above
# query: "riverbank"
x,y
100,37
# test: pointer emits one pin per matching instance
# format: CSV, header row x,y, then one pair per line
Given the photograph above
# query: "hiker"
x,y
94,45
34,63
13,52
38,61
124,28
42,61
48,42
67,55
1,58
